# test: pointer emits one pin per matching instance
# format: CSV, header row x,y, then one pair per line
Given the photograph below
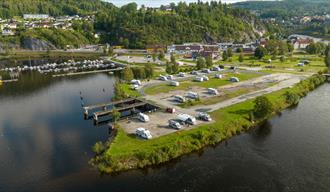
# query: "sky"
x,y
157,3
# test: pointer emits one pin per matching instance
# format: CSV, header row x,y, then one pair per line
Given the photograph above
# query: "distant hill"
x,y
10,8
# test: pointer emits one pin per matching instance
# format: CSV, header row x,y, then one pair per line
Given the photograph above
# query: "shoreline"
x,y
127,153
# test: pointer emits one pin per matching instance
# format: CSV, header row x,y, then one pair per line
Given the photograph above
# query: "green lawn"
x,y
213,82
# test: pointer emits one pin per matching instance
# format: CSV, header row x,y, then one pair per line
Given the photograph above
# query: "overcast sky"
x,y
157,3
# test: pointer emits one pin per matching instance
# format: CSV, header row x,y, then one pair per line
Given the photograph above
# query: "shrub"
x,y
291,98
263,107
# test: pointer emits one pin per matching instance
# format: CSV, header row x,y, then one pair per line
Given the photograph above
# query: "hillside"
x,y
194,22
137,28
10,8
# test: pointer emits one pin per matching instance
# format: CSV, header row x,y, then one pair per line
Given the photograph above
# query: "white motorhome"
x,y
143,133
192,95
143,117
212,91
174,83
136,82
179,98
187,119
218,76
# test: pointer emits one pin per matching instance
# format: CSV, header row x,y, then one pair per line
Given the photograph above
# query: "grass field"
x,y
213,82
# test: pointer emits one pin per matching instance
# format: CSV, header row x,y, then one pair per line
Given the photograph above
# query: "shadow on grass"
x,y
241,112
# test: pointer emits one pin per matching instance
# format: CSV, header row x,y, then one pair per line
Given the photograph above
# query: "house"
x,y
155,48
301,43
8,32
185,48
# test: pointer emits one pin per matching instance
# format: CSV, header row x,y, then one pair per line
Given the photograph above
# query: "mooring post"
x,y
95,119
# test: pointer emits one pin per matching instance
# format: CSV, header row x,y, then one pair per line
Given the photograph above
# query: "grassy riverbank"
x,y
127,152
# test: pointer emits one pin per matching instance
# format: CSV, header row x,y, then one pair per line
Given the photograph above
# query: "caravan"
x,y
186,119
174,83
192,95
143,133
143,117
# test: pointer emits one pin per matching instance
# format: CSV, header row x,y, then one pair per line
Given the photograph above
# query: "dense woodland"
x,y
137,28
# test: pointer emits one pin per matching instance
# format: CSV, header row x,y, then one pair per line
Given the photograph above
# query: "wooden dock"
x,y
87,72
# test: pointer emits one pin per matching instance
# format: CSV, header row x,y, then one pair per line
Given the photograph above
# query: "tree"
x,y
209,61
115,115
175,67
224,56
173,60
291,98
200,63
262,107
161,55
127,74
241,58
149,70
239,50
282,59
168,68
98,147
260,52
119,92
154,57
327,59
229,52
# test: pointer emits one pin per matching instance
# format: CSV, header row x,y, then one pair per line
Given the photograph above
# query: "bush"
x,y
98,148
291,98
263,107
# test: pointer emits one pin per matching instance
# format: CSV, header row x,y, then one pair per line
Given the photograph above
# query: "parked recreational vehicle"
x,y
216,69
174,124
301,64
187,119
134,87
206,71
218,76
163,78
203,116
170,77
174,83
136,82
182,74
212,91
205,78
179,98
194,73
192,95
199,79
143,133
234,79
143,117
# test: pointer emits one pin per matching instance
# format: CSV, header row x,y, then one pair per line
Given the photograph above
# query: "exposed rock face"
x,y
37,44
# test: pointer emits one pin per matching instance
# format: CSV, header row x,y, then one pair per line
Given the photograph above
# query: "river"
x,y
45,145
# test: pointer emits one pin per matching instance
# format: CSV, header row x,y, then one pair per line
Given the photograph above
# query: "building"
x,y
35,16
155,48
185,48
301,43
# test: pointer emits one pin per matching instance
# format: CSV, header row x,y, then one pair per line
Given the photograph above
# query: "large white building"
x,y
35,16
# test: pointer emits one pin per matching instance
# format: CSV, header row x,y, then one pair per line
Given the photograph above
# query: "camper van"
x,y
234,79
212,91
187,119
143,133
162,78
182,74
199,79
192,95
136,82
179,98
143,117
174,124
218,76
203,116
174,83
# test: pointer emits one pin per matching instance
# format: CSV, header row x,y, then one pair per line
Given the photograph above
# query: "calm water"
x,y
45,145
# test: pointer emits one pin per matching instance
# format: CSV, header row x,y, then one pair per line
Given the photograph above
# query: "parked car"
x,y
182,74
206,71
212,91
163,78
218,76
199,79
179,98
134,87
192,95
194,73
174,83
234,79
143,117
187,119
216,69
136,82
205,78
174,124
170,77
143,133
204,116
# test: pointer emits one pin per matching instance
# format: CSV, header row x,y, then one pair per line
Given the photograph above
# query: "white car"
x,y
218,76
179,98
174,83
143,117
163,78
234,79
192,95
174,124
143,133
199,79
212,91
203,116
182,74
